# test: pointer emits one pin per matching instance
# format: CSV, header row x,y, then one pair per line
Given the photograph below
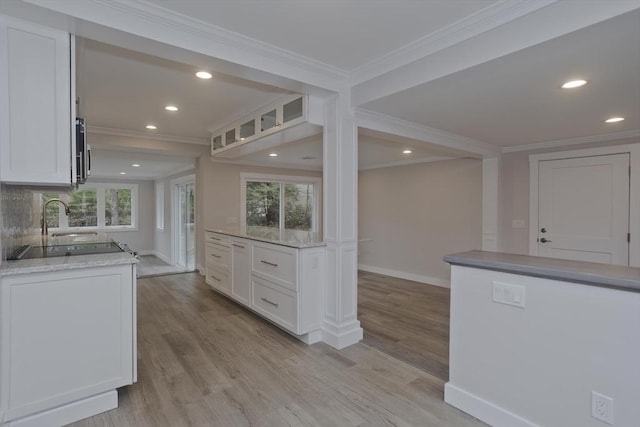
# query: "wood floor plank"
x,y
206,361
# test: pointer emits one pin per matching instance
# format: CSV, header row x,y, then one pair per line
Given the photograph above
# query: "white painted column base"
x,y
70,412
342,336
481,409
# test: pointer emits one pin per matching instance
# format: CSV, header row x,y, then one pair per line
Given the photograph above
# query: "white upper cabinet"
x,y
35,104
278,123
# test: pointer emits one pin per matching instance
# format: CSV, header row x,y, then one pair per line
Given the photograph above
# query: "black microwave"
x,y
83,152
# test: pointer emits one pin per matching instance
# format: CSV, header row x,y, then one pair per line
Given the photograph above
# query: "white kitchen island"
x,y
67,338
544,342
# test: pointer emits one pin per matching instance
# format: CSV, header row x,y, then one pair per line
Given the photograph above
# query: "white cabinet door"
x,y
583,209
35,104
65,336
241,270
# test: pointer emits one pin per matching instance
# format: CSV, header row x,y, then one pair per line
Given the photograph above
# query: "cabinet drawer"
x,y
217,255
218,279
274,303
275,263
219,239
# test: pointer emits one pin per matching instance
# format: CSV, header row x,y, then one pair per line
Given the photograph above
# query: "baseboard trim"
x,y
145,252
162,256
407,276
340,337
483,410
71,412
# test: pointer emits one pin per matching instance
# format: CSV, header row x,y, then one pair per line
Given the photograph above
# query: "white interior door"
x,y
583,209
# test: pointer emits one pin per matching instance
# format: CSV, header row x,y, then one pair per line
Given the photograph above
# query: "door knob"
x,y
544,240
543,230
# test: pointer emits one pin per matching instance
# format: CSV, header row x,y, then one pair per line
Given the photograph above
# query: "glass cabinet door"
x,y
216,142
268,120
292,110
230,137
247,130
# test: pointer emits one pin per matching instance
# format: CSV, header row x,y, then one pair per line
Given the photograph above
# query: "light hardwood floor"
x,y
205,361
407,320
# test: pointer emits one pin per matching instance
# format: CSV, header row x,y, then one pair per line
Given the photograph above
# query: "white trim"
x,y
427,280
573,141
407,162
486,19
490,204
100,130
634,193
392,125
483,410
288,179
160,205
341,336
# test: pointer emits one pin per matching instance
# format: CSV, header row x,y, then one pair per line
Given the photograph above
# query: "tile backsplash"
x,y
20,216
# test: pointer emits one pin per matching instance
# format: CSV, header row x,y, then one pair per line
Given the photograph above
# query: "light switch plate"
x,y
509,294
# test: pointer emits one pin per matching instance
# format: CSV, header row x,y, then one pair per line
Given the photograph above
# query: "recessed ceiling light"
x,y
123,173
407,152
572,84
273,154
171,108
203,75
135,165
152,127
614,120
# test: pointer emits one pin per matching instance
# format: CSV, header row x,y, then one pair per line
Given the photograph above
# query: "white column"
x,y
341,327
490,208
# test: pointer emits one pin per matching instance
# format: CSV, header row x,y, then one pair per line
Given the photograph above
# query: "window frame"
x,y
281,179
100,187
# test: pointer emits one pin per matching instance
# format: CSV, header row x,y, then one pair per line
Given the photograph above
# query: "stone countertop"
x,y
291,238
588,273
58,263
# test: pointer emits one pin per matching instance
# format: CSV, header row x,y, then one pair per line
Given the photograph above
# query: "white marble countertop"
x,y
588,273
290,238
71,262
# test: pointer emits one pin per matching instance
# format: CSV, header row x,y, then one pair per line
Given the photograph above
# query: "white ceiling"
x,y
343,33
109,164
517,99
504,102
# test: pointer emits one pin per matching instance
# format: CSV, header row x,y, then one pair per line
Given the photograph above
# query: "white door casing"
x,y
585,202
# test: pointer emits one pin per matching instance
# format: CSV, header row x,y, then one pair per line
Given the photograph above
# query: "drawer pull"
x,y
214,238
237,245
275,304
268,263
217,256
215,278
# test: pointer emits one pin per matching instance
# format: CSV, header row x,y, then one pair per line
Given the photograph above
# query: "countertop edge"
x,y
569,274
267,240
44,265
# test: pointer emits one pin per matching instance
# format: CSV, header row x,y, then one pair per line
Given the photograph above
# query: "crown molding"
x,y
470,26
573,141
144,18
429,159
392,125
99,130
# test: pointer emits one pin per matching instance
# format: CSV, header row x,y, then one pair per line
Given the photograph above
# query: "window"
x,y
101,206
279,204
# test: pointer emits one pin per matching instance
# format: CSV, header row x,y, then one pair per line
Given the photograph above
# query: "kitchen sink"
x,y
30,252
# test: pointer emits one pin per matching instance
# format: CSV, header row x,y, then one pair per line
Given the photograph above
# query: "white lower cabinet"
x,y
241,270
283,284
218,259
67,342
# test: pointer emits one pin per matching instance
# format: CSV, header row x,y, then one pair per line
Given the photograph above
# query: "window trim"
x,y
159,199
100,188
283,179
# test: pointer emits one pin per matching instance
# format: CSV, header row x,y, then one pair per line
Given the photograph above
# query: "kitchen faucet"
x,y
45,230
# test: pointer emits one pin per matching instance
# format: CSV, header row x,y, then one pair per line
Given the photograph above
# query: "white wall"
x,y
537,366
514,194
416,214
218,195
